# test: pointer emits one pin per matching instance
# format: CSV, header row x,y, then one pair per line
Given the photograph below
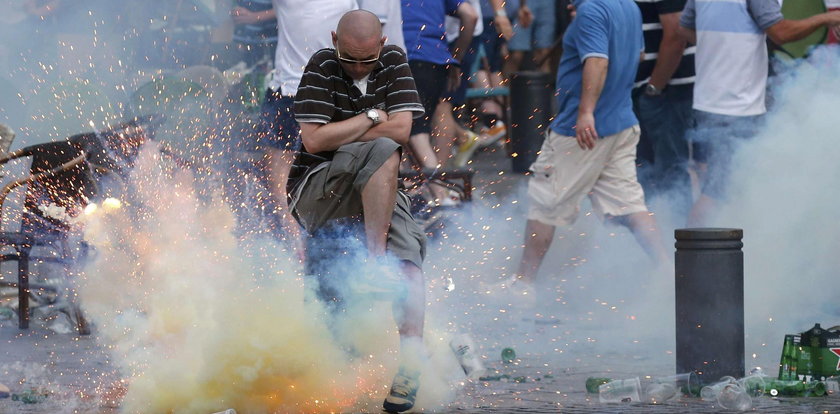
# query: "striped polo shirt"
x,y
327,94
651,9
732,56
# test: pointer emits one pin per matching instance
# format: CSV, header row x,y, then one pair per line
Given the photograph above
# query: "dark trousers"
x,y
663,146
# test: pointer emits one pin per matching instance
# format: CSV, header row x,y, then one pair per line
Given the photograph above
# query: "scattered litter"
x,y
33,396
494,377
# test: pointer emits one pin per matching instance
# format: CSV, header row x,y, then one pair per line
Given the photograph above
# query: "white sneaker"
x,y
492,135
521,290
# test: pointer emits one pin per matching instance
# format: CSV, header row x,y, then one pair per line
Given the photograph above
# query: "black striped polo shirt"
x,y
327,94
651,9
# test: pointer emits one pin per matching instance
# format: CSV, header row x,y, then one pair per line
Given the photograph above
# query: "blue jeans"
x,y
717,137
665,120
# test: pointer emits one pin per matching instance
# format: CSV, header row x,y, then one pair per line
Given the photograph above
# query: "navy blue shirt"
x,y
610,29
424,30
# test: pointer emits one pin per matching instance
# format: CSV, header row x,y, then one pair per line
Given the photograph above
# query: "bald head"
x,y
359,26
358,41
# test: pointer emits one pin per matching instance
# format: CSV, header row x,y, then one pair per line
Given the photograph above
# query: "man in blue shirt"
x,y
434,67
591,146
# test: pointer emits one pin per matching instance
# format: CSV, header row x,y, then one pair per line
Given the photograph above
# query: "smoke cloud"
x,y
783,197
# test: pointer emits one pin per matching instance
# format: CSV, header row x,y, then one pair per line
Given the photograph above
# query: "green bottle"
x,y
592,384
33,396
786,360
508,355
796,388
815,389
809,353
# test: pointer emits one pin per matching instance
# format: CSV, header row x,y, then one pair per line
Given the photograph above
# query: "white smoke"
x,y
783,196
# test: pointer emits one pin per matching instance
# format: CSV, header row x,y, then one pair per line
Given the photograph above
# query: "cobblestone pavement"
x,y
557,349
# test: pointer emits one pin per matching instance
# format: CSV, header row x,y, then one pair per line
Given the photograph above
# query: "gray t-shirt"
x,y
765,13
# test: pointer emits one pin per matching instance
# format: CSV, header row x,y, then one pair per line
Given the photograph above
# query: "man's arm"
x,y
689,35
670,51
242,15
791,30
525,16
469,18
328,137
687,29
397,127
501,19
594,75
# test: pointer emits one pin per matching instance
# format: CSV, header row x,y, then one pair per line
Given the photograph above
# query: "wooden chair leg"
x,y
70,269
23,288
79,317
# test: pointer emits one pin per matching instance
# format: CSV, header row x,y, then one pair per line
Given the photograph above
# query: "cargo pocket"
x,y
541,185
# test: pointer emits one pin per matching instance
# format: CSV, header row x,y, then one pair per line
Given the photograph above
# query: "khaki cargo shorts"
x,y
333,190
564,173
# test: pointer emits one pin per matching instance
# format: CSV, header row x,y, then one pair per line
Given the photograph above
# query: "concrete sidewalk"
x,y
564,339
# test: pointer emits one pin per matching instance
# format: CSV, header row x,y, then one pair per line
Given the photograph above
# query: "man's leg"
x,y
378,197
541,59
410,312
538,238
698,216
644,229
513,62
445,131
279,165
421,146
719,137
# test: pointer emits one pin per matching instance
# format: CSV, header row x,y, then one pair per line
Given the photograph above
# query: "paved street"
x,y
592,317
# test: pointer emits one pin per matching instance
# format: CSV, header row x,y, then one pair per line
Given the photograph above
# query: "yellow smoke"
x,y
195,330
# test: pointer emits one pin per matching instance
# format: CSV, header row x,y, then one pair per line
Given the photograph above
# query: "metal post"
x,y
530,114
709,284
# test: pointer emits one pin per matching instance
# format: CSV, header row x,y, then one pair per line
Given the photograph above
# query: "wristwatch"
x,y
651,90
373,115
501,13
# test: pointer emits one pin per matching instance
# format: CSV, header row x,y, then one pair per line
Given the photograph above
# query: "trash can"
x,y
530,113
709,283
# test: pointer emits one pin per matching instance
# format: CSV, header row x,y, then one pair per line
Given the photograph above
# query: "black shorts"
x,y
430,79
278,128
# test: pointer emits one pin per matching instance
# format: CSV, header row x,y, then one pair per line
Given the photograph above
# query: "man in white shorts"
x,y
591,145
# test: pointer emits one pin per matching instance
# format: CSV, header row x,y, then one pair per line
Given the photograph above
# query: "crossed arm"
x,y
328,137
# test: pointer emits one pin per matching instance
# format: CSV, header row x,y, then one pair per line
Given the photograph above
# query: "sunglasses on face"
x,y
353,61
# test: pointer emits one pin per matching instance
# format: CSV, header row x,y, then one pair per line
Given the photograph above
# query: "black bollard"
x,y
530,113
709,272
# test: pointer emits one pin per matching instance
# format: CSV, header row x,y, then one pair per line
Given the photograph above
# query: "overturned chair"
x,y
61,182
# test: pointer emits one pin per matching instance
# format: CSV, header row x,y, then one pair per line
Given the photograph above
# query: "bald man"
x,y
355,106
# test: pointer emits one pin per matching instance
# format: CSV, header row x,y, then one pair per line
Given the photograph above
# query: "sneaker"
x,y
522,292
403,391
466,150
492,135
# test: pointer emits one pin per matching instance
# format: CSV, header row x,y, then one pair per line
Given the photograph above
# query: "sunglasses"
x,y
353,61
